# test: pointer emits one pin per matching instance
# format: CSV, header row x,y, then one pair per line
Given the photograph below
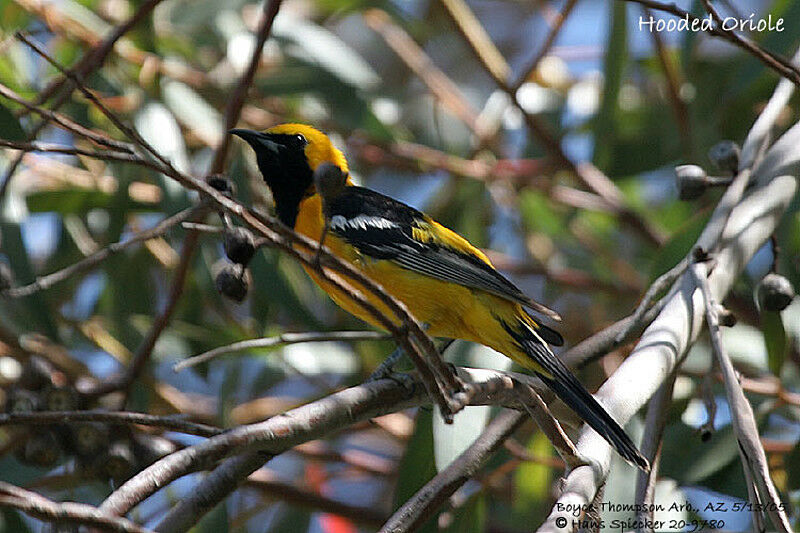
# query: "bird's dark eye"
x,y
300,139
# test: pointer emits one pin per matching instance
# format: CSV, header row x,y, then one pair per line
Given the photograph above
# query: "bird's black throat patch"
x,y
283,164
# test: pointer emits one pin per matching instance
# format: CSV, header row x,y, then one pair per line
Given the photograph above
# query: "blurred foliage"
x,y
602,88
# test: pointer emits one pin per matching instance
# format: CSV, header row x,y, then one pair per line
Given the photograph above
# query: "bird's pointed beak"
x,y
255,139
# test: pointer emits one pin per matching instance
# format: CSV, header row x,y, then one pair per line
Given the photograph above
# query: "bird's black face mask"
x,y
282,161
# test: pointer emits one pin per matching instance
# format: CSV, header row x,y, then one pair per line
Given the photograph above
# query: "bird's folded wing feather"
x,y
383,228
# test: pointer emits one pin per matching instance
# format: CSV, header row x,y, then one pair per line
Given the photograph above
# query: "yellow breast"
x,y
442,306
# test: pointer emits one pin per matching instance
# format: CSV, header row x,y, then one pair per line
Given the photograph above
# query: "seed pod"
x,y
725,156
221,183
240,246
42,449
89,438
774,292
726,318
63,398
37,373
691,181
119,461
233,282
22,401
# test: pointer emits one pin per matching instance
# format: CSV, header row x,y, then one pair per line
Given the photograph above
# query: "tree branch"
x,y
413,513
754,459
170,423
42,508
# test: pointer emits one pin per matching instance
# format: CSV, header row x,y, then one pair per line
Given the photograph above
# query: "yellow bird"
x,y
446,283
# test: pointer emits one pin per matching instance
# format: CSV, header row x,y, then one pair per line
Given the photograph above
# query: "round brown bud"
x,y
22,401
691,181
774,292
42,449
233,282
60,398
89,438
119,461
725,156
240,246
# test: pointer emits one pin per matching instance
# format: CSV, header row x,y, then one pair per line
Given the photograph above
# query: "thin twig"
x,y
302,424
294,495
234,108
442,87
476,36
662,282
655,422
42,508
278,340
90,62
416,511
757,138
590,175
744,424
45,282
67,123
541,414
555,30
170,423
104,155
773,61
674,82
130,132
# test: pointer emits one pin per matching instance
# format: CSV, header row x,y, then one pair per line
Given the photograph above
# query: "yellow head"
x,y
288,155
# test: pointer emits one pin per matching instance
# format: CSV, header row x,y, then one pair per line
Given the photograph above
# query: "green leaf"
x,y
775,339
539,214
9,126
76,201
293,520
34,310
678,245
469,518
417,466
215,521
532,482
688,460
613,68
193,111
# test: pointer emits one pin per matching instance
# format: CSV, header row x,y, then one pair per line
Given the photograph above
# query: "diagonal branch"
x,y
87,263
170,423
754,460
78,514
420,507
90,62
666,340
779,64
278,340
304,423
589,174
234,108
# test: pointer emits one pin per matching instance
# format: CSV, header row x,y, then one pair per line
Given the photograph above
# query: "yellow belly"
x,y
447,309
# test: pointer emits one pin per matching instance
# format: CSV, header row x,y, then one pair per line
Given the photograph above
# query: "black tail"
x,y
569,389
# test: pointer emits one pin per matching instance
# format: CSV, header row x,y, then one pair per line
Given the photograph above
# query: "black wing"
x,y
383,228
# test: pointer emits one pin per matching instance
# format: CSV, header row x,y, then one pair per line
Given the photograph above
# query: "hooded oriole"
x,y
446,283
